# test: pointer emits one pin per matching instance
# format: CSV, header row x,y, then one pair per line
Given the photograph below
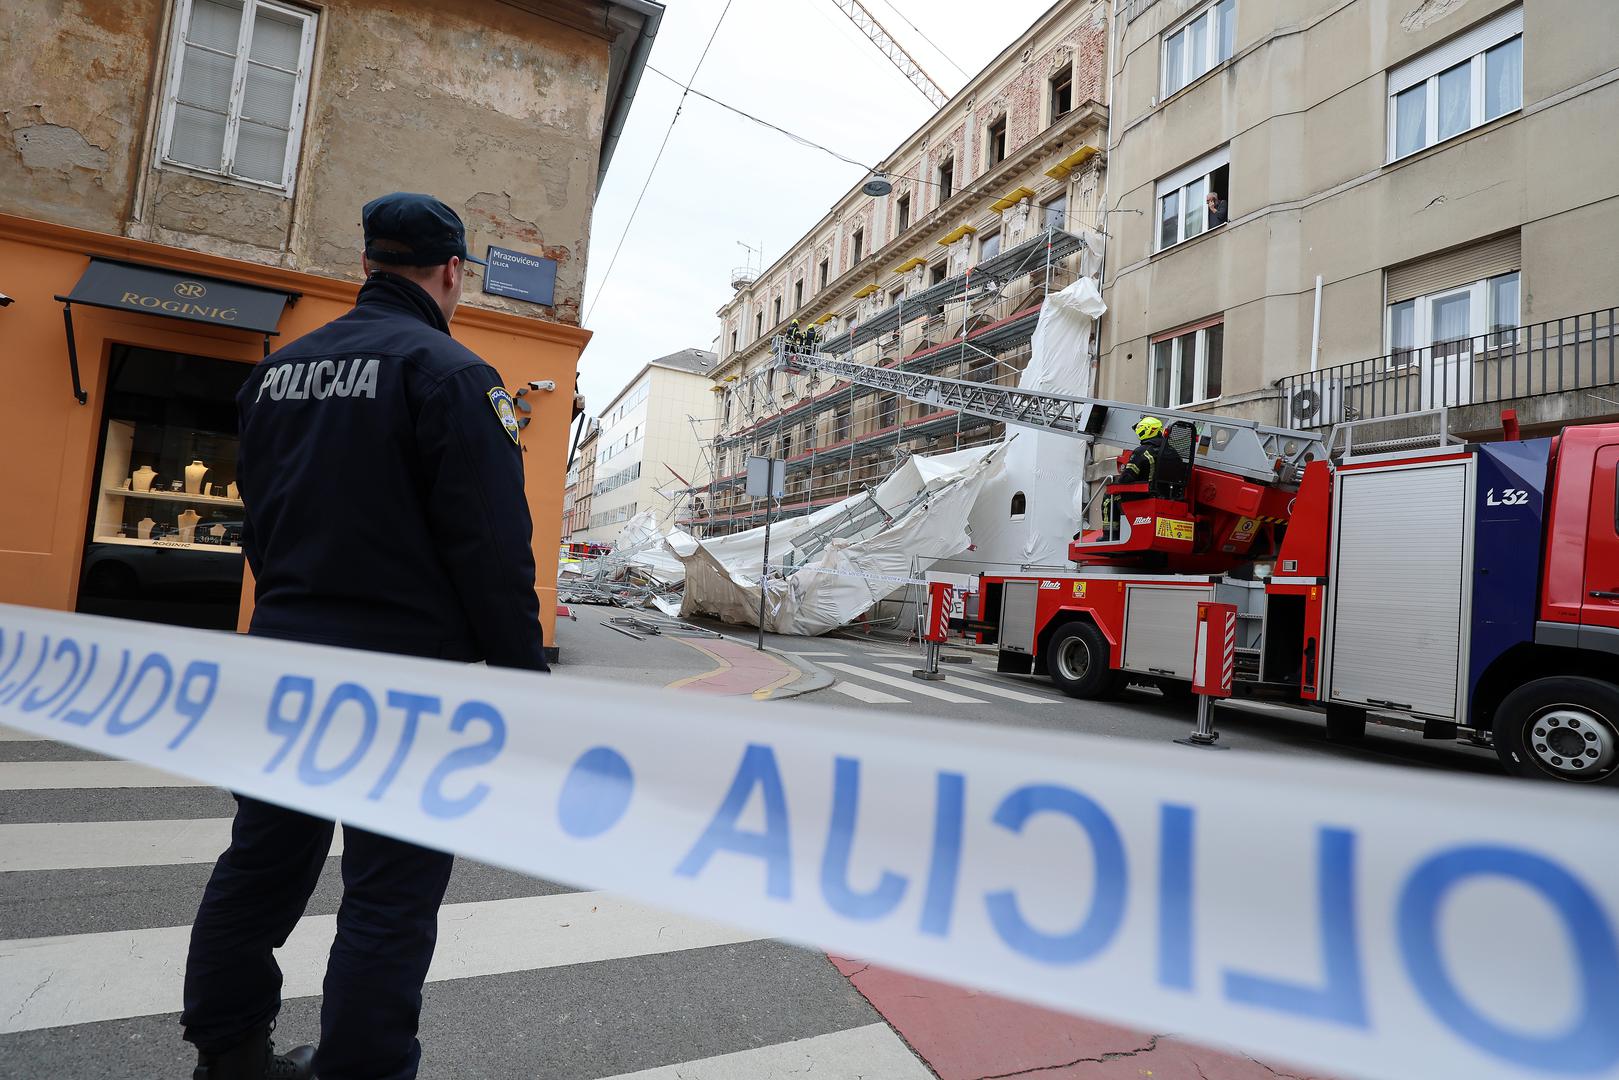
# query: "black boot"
x,y
254,1058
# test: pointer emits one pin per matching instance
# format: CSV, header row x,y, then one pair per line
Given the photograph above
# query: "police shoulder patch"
x,y
501,401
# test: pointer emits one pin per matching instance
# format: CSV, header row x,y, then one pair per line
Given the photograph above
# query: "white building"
x,y
647,446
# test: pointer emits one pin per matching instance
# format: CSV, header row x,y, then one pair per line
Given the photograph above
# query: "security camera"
x,y
5,301
543,384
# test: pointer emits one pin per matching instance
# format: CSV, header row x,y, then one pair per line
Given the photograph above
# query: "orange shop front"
x,y
125,504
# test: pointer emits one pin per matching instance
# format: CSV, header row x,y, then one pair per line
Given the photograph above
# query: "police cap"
x,y
406,229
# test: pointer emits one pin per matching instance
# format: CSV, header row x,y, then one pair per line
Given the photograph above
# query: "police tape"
x,y
1371,921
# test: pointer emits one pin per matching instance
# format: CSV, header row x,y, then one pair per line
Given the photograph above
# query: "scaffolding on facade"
x,y
839,439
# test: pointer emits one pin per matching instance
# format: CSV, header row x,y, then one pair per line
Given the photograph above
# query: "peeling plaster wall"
x,y
75,89
498,112
494,109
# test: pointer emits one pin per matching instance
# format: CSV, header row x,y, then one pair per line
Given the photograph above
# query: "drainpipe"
x,y
651,14
1315,332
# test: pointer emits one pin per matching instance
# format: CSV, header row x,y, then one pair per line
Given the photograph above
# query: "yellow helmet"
x,y
1149,427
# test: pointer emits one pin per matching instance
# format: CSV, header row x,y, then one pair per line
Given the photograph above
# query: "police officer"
x,y
383,484
1152,455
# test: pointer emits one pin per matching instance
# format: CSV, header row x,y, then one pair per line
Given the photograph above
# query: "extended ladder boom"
x,y
1242,447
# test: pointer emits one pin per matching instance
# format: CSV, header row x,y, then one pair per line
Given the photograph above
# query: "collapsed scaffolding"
x,y
843,556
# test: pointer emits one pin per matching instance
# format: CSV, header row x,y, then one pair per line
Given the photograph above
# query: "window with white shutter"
x,y
239,79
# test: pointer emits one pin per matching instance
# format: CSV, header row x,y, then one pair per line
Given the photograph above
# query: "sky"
x,y
724,181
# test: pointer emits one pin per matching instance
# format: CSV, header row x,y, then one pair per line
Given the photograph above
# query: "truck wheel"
x,y
1077,661
1345,724
1561,728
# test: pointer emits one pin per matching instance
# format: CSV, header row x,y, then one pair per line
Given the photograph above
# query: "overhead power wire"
x,y
681,104
800,139
890,5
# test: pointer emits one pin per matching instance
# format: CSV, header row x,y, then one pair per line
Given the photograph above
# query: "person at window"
x,y
385,511
1217,208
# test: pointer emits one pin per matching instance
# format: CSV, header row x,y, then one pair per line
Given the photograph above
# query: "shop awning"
x,y
154,290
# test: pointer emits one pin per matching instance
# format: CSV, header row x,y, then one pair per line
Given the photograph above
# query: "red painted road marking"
x,y
742,670
965,1034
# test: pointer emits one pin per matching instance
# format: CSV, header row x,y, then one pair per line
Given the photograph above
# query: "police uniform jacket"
x,y
383,485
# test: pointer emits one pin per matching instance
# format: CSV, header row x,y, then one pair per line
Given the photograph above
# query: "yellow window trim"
x,y
866,291
1073,161
909,264
956,234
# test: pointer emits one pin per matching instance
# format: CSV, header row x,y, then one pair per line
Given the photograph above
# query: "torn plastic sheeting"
x,y
813,603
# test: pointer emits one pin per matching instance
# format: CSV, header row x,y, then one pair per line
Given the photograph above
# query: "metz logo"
x,y
1051,585
1143,521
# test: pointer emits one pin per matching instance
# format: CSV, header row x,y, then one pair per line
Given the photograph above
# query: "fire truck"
x,y
1466,590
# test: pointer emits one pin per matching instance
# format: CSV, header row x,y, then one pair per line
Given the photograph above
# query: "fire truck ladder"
x,y
1242,447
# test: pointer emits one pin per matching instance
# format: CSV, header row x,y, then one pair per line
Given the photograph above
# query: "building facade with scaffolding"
x,y
995,204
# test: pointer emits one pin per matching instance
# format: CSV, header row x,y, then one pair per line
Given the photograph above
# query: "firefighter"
x,y
795,336
1143,467
810,338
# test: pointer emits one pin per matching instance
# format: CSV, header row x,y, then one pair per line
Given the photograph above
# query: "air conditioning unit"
x,y
1318,402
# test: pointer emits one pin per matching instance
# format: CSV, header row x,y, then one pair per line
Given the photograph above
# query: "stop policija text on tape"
x,y
1369,921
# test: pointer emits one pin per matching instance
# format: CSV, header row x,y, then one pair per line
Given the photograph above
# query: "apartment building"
x,y
1444,169
582,482
181,191
646,449
991,204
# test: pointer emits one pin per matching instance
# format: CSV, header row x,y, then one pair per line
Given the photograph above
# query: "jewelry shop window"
x,y
165,521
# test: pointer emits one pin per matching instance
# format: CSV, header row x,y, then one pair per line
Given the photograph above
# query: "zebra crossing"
x,y
884,678
530,978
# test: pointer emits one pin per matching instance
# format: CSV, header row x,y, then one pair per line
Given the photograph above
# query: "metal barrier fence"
x,y
1572,353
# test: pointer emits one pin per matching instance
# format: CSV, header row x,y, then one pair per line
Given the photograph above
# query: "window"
x,y
733,341
937,272
904,221
1199,44
859,245
946,179
758,326
1020,506
798,294
989,245
995,143
1054,212
235,100
887,411
896,296
824,269
1186,366
1483,308
1468,81
1062,93
776,312
1185,208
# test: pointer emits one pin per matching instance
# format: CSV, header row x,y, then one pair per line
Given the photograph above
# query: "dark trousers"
x,y
386,928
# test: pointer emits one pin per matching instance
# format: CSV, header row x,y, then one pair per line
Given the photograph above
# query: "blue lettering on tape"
x,y
414,706
8,691
78,687
117,723
596,794
1175,885
944,863
434,801
279,723
193,705
757,769
840,896
34,701
1342,998
308,770
1591,1042
83,717
1095,932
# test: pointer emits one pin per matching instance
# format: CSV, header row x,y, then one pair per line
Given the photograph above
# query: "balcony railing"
x,y
1573,353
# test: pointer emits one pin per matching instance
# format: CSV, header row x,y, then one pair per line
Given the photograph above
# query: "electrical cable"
x,y
800,139
680,105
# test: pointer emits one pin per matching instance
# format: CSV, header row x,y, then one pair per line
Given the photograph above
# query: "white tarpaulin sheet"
x,y
843,581
1048,470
